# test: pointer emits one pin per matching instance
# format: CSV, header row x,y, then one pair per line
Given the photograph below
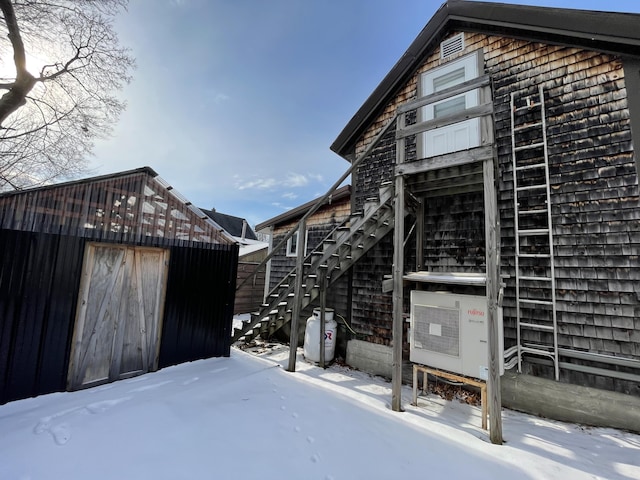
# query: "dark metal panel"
x,y
39,277
199,303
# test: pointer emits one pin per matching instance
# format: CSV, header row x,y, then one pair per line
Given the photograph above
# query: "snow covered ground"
x,y
245,417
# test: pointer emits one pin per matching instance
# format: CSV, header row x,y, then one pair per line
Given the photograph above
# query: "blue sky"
x,y
236,102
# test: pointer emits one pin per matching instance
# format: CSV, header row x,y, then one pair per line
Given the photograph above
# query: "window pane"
x,y
449,107
448,79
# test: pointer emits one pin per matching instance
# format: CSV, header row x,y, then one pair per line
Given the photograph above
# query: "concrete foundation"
x,y
570,403
526,393
370,357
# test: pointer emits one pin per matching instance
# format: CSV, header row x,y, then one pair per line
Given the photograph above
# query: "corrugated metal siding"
x,y
199,304
39,279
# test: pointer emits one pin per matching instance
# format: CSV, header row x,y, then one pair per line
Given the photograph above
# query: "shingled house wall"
x,y
594,189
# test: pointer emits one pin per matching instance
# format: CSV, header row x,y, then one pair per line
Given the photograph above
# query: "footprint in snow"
x,y
141,378
150,387
61,433
103,406
190,381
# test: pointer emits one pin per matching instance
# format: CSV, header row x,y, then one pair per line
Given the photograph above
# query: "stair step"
x,y
335,254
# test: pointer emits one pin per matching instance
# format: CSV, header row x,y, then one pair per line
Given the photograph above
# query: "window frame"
x,y
474,68
290,251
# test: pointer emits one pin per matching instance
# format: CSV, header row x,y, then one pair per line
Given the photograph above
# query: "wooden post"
x,y
492,289
420,236
295,314
398,271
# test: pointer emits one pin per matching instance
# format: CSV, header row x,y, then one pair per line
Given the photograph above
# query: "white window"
x,y
459,136
292,244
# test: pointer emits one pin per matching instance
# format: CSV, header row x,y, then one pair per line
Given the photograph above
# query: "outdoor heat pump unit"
x,y
450,332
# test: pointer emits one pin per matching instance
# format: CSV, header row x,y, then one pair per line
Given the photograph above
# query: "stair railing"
x,y
308,256
322,200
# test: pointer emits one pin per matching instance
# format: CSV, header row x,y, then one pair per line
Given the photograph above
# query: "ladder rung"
x,y
534,231
542,279
531,146
529,106
534,255
527,126
533,212
535,326
530,167
532,187
535,302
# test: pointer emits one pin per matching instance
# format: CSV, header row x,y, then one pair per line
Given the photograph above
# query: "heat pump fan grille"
x,y
437,329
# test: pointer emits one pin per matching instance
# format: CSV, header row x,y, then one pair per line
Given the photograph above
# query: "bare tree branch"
x,y
15,97
50,115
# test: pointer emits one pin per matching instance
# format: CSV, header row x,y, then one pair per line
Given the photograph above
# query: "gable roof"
x,y
126,207
297,212
232,225
607,32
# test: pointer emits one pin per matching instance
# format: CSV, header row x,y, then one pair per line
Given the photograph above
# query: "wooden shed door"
x,y
119,313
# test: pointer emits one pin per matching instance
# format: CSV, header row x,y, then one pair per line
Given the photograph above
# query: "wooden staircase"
x,y
335,255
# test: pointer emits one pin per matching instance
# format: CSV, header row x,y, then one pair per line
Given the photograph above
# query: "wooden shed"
x,y
106,278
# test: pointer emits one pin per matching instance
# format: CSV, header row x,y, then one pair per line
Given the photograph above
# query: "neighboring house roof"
x,y
297,212
608,32
252,246
232,225
120,206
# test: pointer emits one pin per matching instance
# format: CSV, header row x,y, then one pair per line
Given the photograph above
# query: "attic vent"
x,y
452,45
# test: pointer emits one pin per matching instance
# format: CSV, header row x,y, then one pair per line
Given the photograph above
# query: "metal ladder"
x,y
537,327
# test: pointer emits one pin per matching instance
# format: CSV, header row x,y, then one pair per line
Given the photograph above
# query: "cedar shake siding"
x,y
594,200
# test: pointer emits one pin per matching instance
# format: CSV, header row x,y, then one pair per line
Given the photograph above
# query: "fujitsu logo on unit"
x,y
474,312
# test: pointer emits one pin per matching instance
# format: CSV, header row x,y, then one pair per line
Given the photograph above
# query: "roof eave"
x,y
300,210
